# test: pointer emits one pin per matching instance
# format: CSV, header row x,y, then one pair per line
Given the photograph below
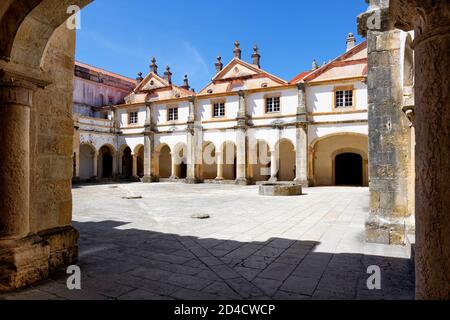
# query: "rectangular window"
x,y
273,105
219,110
173,114
110,101
344,98
133,117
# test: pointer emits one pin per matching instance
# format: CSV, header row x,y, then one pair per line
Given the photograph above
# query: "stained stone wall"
x,y
389,131
51,153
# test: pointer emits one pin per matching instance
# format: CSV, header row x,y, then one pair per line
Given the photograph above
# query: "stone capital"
x,y
301,86
15,89
428,18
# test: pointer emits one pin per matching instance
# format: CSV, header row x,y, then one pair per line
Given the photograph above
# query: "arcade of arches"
x,y
36,236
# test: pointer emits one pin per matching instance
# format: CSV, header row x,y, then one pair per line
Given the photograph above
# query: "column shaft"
x,y
15,104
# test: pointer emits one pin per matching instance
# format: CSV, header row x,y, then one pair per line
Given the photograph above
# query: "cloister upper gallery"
x,y
391,91
248,125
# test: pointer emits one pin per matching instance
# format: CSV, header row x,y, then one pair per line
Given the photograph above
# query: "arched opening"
x,y
229,161
105,162
140,162
165,162
348,169
180,161
87,156
127,163
209,161
286,163
261,160
325,152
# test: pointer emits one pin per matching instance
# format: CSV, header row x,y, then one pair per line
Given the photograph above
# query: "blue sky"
x,y
123,36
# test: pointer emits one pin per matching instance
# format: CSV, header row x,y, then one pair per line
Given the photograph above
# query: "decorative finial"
x,y
186,82
168,75
256,56
237,51
139,78
351,41
154,66
219,64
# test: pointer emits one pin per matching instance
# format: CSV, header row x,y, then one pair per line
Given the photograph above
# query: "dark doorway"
x,y
349,169
183,170
127,164
107,165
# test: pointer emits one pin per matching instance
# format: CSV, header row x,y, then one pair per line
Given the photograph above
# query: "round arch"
x,y
324,150
106,161
209,161
126,162
284,149
260,160
228,160
139,155
164,161
179,161
87,161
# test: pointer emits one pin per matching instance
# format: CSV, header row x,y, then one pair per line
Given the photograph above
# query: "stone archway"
x,y
106,162
326,149
127,163
87,162
285,150
164,161
209,161
228,161
261,161
139,162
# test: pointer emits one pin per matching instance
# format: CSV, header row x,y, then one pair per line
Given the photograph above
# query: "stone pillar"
x,y
301,141
24,257
194,145
274,158
220,162
431,22
388,129
174,170
242,142
15,104
135,165
150,172
96,173
76,152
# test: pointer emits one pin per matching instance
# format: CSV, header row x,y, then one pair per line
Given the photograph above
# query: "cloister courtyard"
x,y
139,241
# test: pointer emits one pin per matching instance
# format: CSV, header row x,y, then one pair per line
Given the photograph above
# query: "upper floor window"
x,y
344,98
273,105
172,114
110,100
101,100
133,117
219,110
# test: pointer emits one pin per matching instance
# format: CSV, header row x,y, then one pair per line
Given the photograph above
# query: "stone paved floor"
x,y
252,247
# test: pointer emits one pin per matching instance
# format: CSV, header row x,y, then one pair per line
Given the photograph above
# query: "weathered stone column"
x,y
95,166
76,152
194,145
24,257
431,22
388,128
242,142
135,164
220,162
174,169
150,172
15,103
301,141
